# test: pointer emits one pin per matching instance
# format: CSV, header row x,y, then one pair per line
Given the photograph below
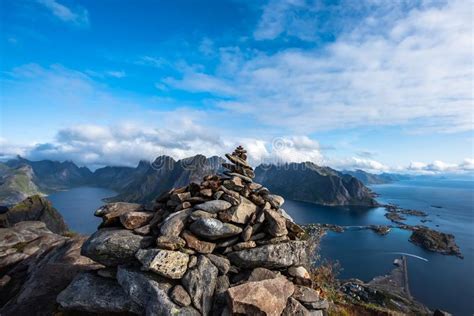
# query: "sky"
x,y
379,85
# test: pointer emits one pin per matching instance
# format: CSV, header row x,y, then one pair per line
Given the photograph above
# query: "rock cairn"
x,y
221,247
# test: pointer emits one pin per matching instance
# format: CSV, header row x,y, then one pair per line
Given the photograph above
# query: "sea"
x,y
438,281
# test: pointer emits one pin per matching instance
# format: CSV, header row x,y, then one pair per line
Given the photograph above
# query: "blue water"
x,y
444,282
77,206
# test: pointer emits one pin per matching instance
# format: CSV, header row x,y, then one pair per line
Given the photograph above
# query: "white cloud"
x,y
78,16
438,166
116,74
354,163
412,70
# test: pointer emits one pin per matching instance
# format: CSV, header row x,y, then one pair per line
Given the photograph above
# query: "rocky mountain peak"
x,y
222,245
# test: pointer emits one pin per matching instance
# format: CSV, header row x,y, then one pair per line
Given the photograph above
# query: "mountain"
x,y
166,173
34,208
16,184
309,182
54,175
118,178
371,178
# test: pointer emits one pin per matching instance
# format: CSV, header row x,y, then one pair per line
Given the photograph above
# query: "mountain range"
x,y
371,178
297,181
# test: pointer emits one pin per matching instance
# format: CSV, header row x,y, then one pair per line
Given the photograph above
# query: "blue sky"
x,y
378,85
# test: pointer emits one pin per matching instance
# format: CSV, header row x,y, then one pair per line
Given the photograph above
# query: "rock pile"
x,y
221,247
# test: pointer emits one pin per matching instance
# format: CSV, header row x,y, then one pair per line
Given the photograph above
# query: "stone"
x,y
199,245
211,228
275,240
218,195
228,242
241,176
254,186
238,161
247,233
174,224
132,220
232,200
244,245
257,199
234,184
299,272
180,197
286,215
170,264
206,192
275,200
294,230
321,304
242,213
192,261
213,206
109,273
260,274
221,263
201,214
267,297
143,231
295,308
118,207
305,294
170,242
112,247
111,212
271,256
150,292
258,236
179,295
276,223
183,206
91,293
200,283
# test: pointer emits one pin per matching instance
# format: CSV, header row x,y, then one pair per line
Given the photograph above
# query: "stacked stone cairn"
x,y
222,247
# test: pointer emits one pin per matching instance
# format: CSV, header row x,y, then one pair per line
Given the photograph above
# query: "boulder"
x,y
150,292
170,264
133,220
244,245
260,274
295,308
305,294
211,228
200,283
299,272
174,224
199,245
271,256
276,223
201,214
213,206
91,293
170,242
112,246
179,295
275,200
111,212
241,213
222,263
267,297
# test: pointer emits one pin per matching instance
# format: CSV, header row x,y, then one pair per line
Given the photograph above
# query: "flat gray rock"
x,y
271,256
174,223
112,247
91,293
211,228
150,293
213,206
168,263
200,283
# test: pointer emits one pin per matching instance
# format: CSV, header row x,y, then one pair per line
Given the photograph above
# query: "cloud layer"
x,y
409,69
